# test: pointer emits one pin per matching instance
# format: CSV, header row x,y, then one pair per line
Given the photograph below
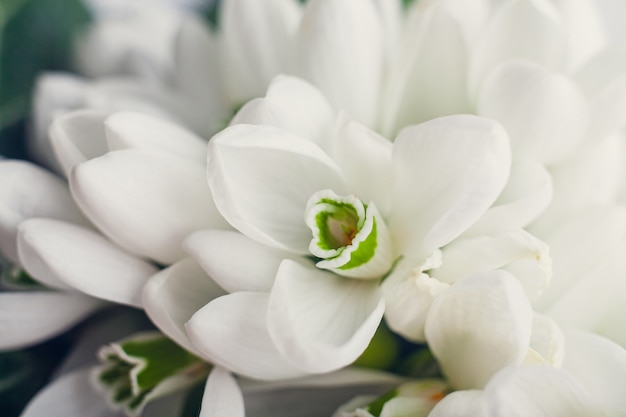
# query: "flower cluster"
x,y
371,208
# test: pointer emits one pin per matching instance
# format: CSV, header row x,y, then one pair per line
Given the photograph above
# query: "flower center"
x,y
349,236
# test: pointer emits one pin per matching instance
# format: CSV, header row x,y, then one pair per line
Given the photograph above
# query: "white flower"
x,y
426,189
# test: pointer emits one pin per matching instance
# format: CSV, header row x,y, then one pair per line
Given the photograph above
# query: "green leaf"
x,y
35,35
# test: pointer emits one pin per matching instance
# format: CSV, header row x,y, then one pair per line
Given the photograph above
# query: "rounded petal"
x,y
320,321
465,257
77,137
606,116
526,195
231,331
545,113
425,83
541,391
467,403
27,318
82,259
27,191
256,39
365,158
147,202
294,105
139,131
335,38
222,396
520,29
174,294
600,365
71,395
262,177
479,326
447,172
236,262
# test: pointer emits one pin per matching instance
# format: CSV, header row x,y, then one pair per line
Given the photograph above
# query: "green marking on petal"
x,y
144,367
337,225
365,251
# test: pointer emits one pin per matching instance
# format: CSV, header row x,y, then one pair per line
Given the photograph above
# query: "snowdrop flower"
x,y
322,216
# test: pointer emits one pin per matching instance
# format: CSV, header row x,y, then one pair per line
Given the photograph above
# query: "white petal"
x,y
27,191
173,295
294,105
468,403
600,70
134,130
606,106
256,40
262,177
526,195
83,260
335,38
77,137
236,262
578,246
231,331
27,318
592,177
465,257
479,326
530,30
197,71
424,82
320,321
600,365
594,299
71,396
55,94
147,202
546,342
447,172
409,293
541,391
365,158
544,113
222,396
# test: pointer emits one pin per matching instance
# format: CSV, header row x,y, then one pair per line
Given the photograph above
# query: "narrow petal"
x,y
365,158
520,29
236,262
447,172
71,395
134,130
27,191
606,116
83,260
546,342
600,365
222,396
578,246
424,82
294,105
27,318
468,403
545,113
77,137
198,73
526,195
256,39
409,292
465,257
262,177
231,331
479,326
147,202
173,295
320,321
541,391
357,42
